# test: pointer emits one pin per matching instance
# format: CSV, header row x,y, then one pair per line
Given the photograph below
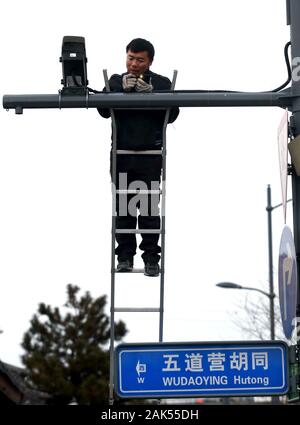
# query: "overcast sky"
x,y
55,215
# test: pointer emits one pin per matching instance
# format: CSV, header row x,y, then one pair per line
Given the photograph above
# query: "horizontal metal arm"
x,y
258,290
147,100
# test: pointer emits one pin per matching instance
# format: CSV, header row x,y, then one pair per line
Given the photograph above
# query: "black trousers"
x,y
140,172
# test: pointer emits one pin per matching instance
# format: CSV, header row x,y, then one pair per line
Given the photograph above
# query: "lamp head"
x,y
229,285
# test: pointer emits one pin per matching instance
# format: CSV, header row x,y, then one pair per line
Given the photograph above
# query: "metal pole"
x,y
294,19
257,290
270,249
160,100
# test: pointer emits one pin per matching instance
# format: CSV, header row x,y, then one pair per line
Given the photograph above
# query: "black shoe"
x,y
125,266
151,269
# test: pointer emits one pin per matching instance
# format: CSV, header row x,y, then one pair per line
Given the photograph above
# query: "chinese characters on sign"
x,y
216,361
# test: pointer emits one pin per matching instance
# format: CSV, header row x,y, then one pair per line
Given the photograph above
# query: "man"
x,y
139,130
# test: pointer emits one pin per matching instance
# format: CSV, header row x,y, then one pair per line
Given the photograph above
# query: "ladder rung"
x,y
138,192
136,310
146,152
139,231
133,271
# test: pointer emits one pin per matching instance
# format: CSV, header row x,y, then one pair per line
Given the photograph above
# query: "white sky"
x,y
54,165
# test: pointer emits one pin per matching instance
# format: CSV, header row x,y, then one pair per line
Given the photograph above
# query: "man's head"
x,y
140,54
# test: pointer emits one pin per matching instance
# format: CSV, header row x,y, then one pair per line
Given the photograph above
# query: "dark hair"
x,y
141,45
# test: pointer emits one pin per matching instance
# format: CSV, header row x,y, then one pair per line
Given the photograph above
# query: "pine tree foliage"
x,y
65,354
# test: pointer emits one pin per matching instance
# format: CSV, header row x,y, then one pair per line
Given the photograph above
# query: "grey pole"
x,y
158,100
270,245
293,9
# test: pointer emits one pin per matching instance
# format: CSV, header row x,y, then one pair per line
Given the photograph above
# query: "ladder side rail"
x,y
163,220
113,231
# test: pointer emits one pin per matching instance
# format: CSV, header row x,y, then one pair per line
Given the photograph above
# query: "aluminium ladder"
x,y
161,231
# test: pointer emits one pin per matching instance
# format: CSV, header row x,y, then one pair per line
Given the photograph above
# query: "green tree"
x,y
65,354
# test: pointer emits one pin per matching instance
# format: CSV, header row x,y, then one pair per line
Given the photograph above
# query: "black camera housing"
x,y
74,60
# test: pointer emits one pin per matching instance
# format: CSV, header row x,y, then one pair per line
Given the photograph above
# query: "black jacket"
x,y
140,129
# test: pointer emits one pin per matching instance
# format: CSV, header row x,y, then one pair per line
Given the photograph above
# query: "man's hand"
x,y
129,82
142,86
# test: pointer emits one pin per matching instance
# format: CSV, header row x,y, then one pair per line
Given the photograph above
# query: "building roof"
x,y
15,388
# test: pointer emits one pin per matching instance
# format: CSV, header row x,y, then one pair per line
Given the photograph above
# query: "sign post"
x,y
283,158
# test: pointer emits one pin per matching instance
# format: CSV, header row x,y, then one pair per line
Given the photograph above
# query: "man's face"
x,y
137,63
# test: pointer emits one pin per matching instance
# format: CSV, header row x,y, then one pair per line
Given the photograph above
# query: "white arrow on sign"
x,y
287,269
141,368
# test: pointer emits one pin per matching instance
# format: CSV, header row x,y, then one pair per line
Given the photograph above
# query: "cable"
x,y
80,85
289,70
288,65
94,91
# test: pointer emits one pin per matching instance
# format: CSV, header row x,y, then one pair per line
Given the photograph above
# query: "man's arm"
x,y
115,84
174,112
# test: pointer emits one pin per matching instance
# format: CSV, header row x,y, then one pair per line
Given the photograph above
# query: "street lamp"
x,y
250,288
270,209
270,295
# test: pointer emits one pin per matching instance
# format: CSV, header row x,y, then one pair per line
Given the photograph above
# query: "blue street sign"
x,y
201,369
287,281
